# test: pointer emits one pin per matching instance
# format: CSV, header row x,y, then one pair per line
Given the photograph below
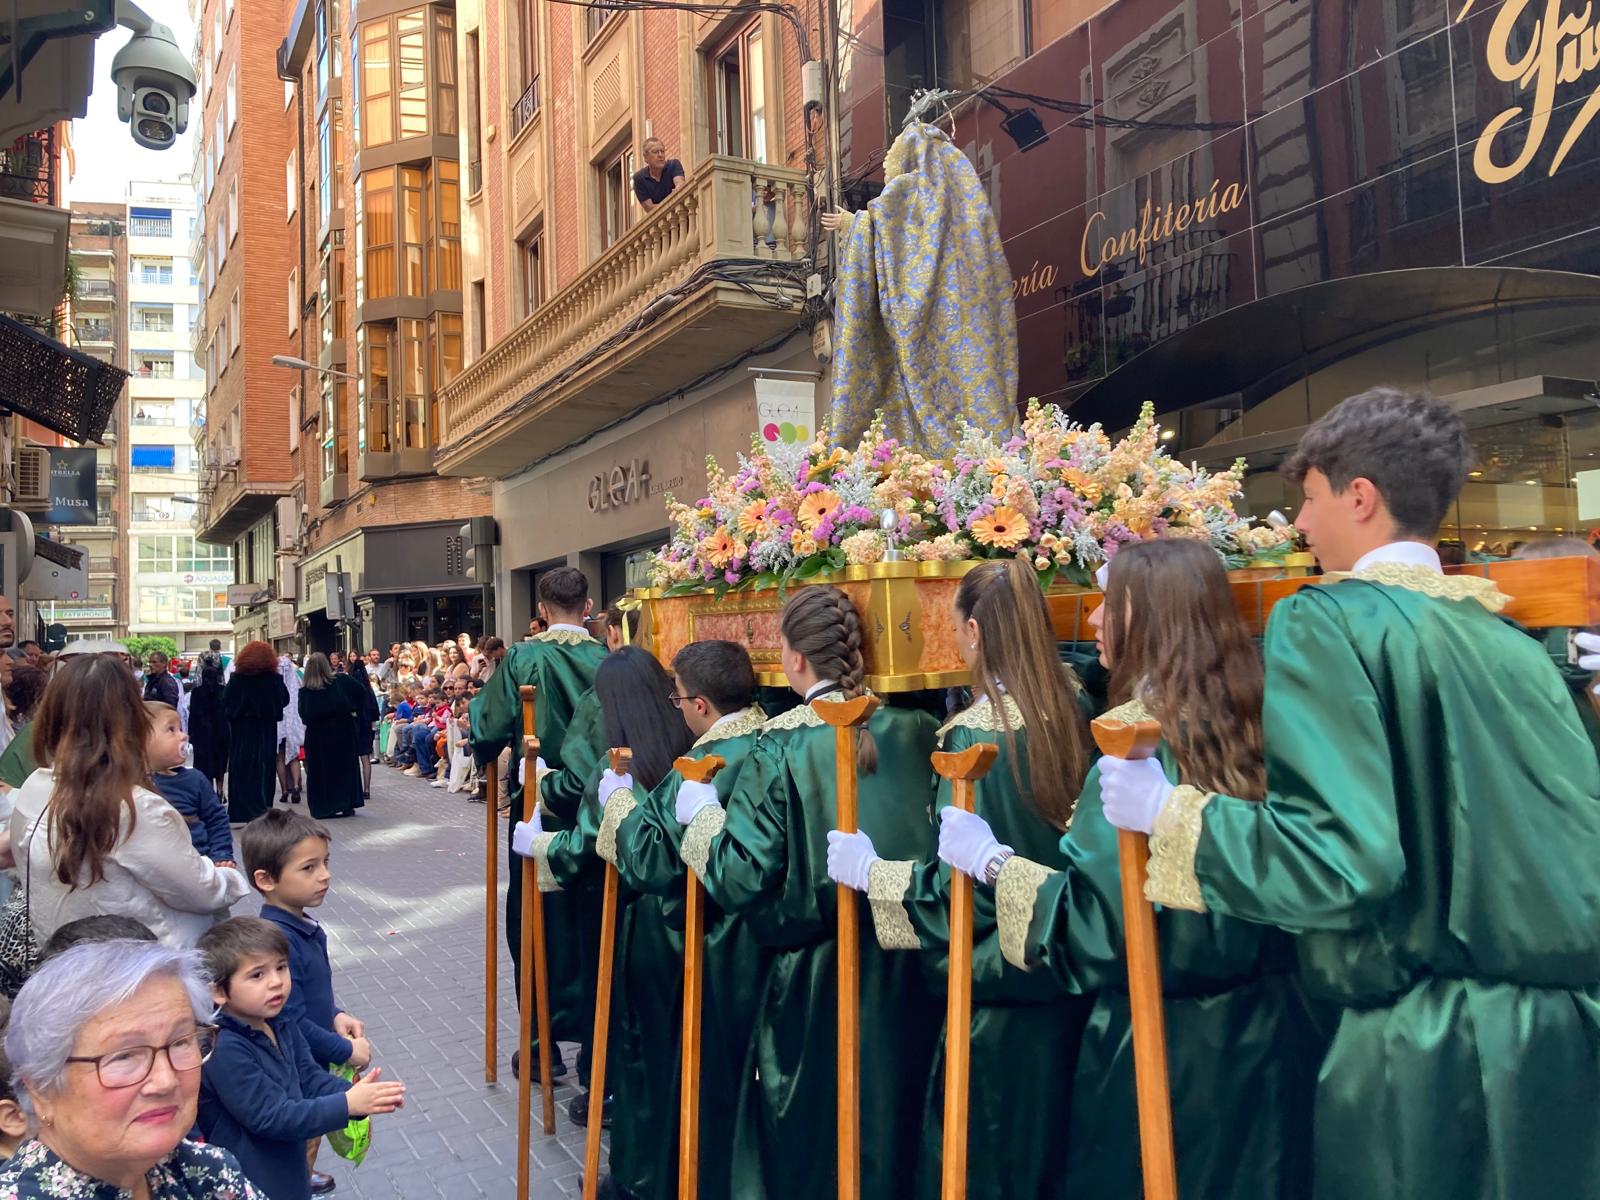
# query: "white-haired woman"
x,y
106,1040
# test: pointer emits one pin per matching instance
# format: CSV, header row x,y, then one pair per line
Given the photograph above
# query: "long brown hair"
x,y
821,625
1017,652
91,729
1182,648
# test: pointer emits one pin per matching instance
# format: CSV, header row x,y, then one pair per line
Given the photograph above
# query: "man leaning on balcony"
x,y
660,175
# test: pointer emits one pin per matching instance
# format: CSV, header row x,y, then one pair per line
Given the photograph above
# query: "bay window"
x,y
408,76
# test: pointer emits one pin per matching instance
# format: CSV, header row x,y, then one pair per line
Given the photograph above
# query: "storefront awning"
x,y
1261,347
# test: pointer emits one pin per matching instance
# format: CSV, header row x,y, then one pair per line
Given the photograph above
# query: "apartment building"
x,y
98,249
242,252
375,308
612,348
179,584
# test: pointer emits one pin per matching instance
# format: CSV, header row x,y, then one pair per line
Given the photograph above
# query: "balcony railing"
x,y
105,474
150,227
140,418
94,289
526,105
156,370
151,326
92,331
728,210
28,168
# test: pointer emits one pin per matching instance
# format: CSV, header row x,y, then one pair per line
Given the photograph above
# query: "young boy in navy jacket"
x,y
261,1093
286,858
186,789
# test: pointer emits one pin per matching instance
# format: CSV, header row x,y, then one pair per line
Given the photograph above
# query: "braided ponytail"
x,y
821,625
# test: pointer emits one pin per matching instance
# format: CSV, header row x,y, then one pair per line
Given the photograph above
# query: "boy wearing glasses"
x,y
262,1095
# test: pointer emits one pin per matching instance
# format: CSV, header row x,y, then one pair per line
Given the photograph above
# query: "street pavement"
x,y
405,936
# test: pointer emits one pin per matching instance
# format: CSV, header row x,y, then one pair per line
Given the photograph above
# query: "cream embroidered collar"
x,y
740,724
564,637
1429,583
981,715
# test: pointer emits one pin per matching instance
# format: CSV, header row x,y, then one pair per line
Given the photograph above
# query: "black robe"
x,y
253,705
208,730
333,776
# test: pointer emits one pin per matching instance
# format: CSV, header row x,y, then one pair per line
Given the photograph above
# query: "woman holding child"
x,y
91,837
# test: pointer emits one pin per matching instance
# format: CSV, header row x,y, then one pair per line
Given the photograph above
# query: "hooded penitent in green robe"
x,y
561,664
1025,1028
646,843
768,863
1432,834
1242,1053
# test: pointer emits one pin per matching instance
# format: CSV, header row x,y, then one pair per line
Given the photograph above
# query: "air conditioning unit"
x,y
230,456
288,518
213,458
31,471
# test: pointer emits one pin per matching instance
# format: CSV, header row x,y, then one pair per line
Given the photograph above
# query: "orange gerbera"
x,y
719,549
1004,528
817,508
750,518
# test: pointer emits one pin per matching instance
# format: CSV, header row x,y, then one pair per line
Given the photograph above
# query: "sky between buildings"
x,y
106,155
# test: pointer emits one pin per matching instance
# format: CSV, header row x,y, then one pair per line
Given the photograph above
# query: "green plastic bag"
x,y
355,1139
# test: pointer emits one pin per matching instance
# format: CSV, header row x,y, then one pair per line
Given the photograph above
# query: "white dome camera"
x,y
155,82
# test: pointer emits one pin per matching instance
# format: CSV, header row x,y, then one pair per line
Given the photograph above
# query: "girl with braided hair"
x,y
764,859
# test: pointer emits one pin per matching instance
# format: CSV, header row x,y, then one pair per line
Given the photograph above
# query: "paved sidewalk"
x,y
405,929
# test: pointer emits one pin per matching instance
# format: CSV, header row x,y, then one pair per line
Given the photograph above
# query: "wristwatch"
x,y
991,870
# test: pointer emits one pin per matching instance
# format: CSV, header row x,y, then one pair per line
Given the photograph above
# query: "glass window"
x,y
739,96
378,234
232,100
413,391
413,62
444,69
447,226
530,255
335,443
376,412
233,208
413,233
616,186
291,179
528,41
377,121
294,299
323,49
594,20
221,138
233,322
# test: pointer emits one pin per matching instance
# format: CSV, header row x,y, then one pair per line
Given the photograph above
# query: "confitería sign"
x,y
1102,246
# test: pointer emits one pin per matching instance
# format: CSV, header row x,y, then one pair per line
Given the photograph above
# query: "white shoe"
x,y
437,783
413,771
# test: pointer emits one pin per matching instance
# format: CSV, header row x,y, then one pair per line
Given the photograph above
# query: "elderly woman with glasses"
x,y
107,1040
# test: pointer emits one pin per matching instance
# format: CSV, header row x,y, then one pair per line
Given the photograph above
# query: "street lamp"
x,y
299,364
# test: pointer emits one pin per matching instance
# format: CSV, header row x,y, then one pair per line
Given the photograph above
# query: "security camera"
x,y
154,79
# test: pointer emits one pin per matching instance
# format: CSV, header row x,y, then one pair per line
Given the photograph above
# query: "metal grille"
x,y
527,104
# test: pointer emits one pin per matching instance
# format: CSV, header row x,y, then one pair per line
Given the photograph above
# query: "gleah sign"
x,y
1564,48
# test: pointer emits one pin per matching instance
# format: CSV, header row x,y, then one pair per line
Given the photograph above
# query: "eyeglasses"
x,y
678,701
132,1065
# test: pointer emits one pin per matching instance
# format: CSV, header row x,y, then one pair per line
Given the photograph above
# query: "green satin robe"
x,y
561,664
768,863
1025,1029
1578,681
1432,835
1242,1051
645,838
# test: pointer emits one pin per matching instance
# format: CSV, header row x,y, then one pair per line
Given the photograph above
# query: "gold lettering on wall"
x,y
1564,48
1156,225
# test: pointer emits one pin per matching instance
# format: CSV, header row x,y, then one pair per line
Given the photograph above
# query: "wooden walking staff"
x,y
846,716
491,932
963,769
1152,1080
696,770
535,972
621,764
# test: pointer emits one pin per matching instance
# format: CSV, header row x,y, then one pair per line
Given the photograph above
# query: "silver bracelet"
x,y
991,871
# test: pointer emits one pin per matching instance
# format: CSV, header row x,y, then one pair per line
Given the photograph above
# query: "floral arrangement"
x,y
1064,495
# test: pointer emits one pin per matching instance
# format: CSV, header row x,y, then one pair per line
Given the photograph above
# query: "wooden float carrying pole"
x,y
1151,1077
963,769
696,770
621,764
846,716
491,928
535,972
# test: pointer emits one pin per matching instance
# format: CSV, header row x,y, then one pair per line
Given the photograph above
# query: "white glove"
x,y
612,782
967,843
850,859
540,770
523,833
1590,661
692,797
1133,792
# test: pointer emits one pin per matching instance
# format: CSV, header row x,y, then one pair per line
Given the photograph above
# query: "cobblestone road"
x,y
405,929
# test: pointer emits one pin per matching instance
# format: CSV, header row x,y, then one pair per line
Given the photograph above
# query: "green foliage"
x,y
141,645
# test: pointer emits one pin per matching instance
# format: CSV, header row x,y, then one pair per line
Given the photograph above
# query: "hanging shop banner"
x,y
71,486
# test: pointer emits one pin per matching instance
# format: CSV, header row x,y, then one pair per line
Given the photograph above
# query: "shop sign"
x,y
620,486
1565,49
280,620
243,595
72,486
1156,226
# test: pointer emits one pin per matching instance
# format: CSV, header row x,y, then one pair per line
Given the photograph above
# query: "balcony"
x,y
526,105
94,333
729,250
105,478
28,168
95,291
149,227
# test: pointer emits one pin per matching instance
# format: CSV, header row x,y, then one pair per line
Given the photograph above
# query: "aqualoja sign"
x,y
620,486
